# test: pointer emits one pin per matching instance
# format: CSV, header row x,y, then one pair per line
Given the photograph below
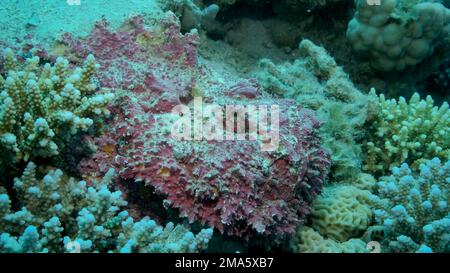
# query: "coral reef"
x,y
440,79
294,5
216,125
398,34
307,240
407,132
341,212
232,186
42,107
413,209
316,81
59,214
299,7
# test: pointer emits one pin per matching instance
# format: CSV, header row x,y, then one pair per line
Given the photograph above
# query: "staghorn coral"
x,y
307,240
341,212
407,132
317,82
60,214
413,209
232,186
398,34
43,106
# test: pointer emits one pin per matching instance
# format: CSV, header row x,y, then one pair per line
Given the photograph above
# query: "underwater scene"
x,y
224,126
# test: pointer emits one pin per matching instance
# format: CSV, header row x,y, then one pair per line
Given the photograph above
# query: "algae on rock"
x,y
316,81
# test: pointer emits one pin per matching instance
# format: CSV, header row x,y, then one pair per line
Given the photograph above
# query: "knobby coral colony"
x,y
119,104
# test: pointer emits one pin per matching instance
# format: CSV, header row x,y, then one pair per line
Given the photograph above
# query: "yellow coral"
x,y
407,132
42,106
341,212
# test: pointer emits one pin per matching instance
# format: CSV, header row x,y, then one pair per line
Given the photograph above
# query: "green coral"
x,y
60,214
43,106
407,132
413,209
317,82
339,218
193,14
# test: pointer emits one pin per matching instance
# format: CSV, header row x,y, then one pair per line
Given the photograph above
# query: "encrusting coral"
x,y
398,34
341,212
413,209
307,240
43,106
60,214
407,132
298,7
316,81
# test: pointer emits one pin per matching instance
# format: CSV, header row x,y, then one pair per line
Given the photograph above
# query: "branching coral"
x,y
317,82
413,210
407,132
42,107
288,7
397,34
60,214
